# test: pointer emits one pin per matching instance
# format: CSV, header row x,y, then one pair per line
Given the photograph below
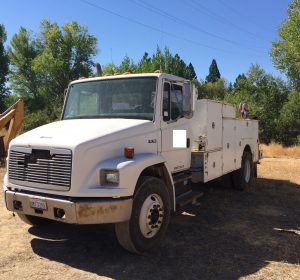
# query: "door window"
x,y
172,102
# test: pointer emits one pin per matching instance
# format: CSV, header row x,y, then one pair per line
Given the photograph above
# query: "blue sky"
x,y
236,33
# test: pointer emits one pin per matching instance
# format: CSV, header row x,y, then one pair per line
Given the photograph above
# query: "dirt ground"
x,y
230,235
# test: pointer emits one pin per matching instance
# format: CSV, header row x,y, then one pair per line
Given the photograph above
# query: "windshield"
x,y
129,98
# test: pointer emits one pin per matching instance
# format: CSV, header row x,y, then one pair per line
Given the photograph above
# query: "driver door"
x,y
175,130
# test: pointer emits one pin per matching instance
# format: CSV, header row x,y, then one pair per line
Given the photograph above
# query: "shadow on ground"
x,y
229,235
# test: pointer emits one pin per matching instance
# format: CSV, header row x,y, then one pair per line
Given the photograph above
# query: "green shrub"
x,y
35,119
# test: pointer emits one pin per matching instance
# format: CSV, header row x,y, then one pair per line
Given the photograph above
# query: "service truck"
x,y
129,150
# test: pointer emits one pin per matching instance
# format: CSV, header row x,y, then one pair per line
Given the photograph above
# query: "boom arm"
x,y
14,115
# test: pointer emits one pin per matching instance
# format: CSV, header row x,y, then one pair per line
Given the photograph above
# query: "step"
x,y
177,178
188,197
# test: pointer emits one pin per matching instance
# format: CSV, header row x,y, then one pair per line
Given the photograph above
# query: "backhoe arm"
x,y
14,115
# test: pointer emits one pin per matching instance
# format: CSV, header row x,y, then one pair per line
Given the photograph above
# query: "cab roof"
x,y
128,76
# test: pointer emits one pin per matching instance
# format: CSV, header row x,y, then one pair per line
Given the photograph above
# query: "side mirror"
x,y
188,100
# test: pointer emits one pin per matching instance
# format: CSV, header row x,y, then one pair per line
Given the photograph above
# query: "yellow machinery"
x,y
12,120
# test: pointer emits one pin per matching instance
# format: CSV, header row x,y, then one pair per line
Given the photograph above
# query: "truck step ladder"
x,y
187,198
182,176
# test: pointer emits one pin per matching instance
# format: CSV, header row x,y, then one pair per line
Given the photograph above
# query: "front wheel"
x,y
149,218
243,177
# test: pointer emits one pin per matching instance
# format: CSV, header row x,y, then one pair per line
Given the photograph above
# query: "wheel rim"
x,y
247,171
151,216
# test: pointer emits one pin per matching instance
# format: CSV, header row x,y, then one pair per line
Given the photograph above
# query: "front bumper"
x,y
72,211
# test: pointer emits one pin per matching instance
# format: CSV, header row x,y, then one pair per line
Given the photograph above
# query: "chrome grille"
x,y
41,169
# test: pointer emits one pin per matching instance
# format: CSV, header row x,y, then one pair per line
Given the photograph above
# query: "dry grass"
x,y
275,150
280,169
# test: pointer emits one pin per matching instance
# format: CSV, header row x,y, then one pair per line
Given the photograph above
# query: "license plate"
x,y
38,204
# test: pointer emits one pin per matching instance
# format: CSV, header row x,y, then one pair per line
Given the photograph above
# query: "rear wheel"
x,y
149,218
34,220
243,177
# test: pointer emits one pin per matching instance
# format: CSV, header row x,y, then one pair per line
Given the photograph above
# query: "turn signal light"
x,y
129,152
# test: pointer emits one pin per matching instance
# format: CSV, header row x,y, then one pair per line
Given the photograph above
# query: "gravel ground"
x,y
230,235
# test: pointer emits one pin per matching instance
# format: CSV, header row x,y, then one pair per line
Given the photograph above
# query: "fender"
x,y
130,170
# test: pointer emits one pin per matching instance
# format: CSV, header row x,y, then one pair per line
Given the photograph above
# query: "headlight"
x,y
109,176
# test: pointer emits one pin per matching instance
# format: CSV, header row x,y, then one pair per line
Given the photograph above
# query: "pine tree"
x,y
240,80
214,73
190,72
145,64
230,87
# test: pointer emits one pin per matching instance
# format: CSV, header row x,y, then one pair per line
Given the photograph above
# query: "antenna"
x,y
98,69
161,43
160,68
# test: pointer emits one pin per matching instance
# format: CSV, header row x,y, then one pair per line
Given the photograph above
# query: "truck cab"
x,y
127,150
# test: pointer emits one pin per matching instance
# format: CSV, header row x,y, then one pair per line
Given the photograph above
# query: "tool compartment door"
x,y
212,165
214,126
229,145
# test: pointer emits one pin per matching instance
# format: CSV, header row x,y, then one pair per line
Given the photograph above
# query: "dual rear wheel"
x,y
243,177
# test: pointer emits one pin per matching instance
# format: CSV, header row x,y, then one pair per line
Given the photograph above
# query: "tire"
x,y
243,177
33,220
150,217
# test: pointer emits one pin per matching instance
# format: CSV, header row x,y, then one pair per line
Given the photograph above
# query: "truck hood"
x,y
71,133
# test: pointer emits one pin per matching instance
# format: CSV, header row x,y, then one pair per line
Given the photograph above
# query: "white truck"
x,y
129,149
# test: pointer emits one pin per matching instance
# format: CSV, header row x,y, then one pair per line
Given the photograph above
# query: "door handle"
x,y
188,142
